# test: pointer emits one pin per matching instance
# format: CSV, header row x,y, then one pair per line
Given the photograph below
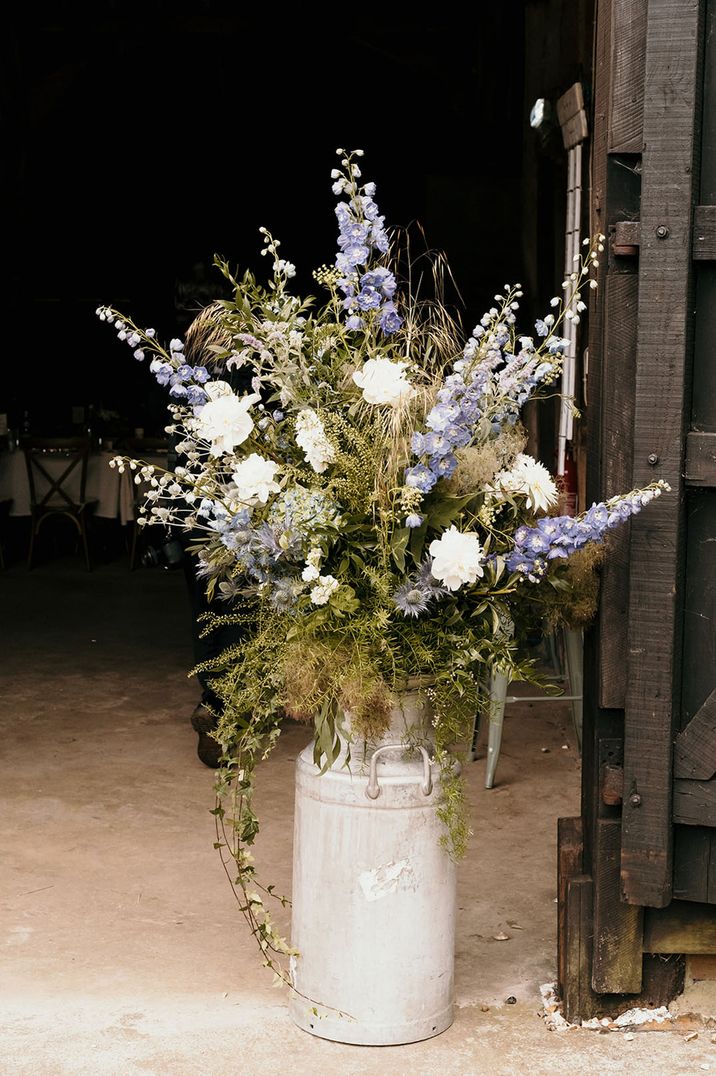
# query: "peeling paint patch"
x,y
378,883
19,935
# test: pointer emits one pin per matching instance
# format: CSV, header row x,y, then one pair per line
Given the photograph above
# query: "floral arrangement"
x,y
355,483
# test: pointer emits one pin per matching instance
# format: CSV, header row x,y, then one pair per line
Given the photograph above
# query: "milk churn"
x,y
374,892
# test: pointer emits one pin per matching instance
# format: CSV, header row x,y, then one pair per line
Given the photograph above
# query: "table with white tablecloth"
x,y
114,493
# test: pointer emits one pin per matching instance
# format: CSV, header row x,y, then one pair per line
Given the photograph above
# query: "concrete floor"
x,y
122,949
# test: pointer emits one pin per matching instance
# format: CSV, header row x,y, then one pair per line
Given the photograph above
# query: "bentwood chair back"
x,y
57,480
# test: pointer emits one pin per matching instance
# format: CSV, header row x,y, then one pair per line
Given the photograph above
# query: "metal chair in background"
x,y
567,668
57,479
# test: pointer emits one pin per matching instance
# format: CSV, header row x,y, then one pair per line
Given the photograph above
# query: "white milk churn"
x,y
374,892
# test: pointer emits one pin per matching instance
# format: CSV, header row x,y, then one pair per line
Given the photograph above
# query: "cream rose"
x,y
457,558
383,382
254,479
224,420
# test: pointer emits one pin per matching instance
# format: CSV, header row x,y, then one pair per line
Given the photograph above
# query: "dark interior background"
x,y
140,140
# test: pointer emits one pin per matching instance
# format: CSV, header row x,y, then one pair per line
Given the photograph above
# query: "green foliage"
x,y
321,504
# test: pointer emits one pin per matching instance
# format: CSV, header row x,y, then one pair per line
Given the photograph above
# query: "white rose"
x,y
254,478
383,382
224,420
457,558
309,573
532,480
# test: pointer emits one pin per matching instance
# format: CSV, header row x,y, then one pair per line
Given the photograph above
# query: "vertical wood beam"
x,y
579,999
593,716
617,958
626,105
665,282
570,850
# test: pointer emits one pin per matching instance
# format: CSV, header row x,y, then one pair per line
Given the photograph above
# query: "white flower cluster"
x,y
323,589
531,479
311,572
311,437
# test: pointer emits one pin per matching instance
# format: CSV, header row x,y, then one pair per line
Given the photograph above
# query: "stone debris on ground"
x,y
645,1019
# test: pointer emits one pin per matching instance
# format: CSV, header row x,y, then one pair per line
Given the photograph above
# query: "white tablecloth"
x,y
113,492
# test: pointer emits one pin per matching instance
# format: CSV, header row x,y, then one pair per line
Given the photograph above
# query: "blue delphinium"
x,y
451,422
486,382
554,537
361,237
184,380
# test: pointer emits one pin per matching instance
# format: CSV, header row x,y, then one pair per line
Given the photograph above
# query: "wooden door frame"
x,y
617,859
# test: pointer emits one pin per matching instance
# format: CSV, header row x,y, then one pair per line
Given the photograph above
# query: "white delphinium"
x,y
311,437
457,558
383,382
323,589
224,420
531,479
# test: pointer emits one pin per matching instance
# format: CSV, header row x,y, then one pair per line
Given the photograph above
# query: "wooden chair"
x,y
58,490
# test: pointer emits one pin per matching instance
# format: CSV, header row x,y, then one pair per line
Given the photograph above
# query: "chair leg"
x,y
574,660
133,548
33,527
498,694
476,733
83,533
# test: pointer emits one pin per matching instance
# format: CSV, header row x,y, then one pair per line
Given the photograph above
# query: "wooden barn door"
x,y
694,803
637,871
665,393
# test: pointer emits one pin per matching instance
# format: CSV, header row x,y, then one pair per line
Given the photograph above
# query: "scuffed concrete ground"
x,y
122,949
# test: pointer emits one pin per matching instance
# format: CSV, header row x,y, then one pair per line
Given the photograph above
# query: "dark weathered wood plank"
x,y
711,873
665,327
699,666
692,855
683,927
619,366
593,717
617,953
578,998
704,233
703,400
707,193
695,803
570,853
695,747
628,59
701,459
